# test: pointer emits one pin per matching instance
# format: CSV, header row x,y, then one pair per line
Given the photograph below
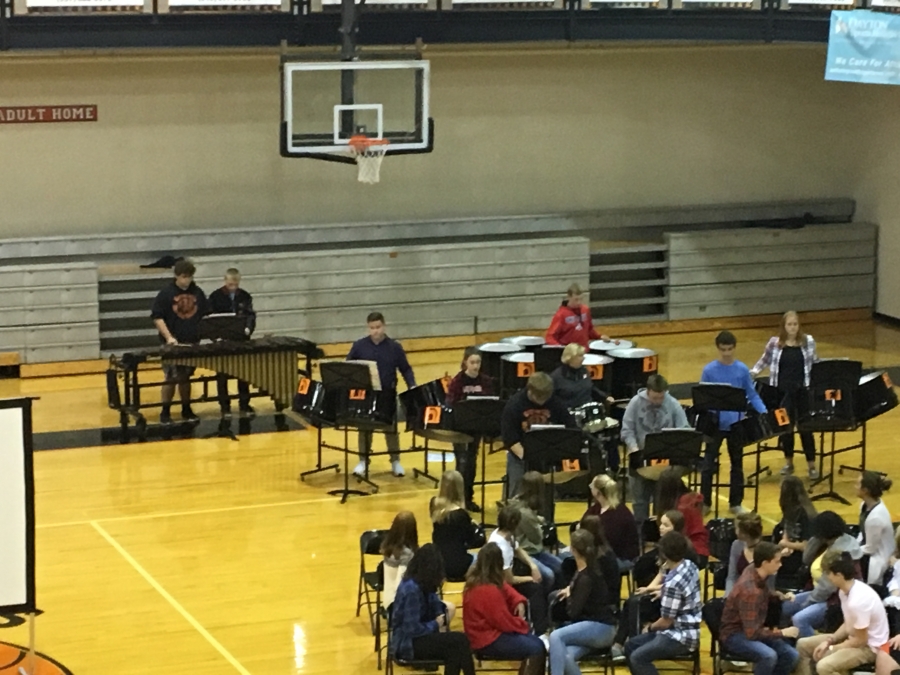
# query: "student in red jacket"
x,y
672,493
572,322
494,620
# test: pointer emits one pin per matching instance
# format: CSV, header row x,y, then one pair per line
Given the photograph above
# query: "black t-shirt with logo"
x,y
181,310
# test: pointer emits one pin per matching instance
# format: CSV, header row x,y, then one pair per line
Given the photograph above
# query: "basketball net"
x,y
369,153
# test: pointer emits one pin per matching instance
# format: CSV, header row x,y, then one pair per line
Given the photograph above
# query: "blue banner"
x,y
864,46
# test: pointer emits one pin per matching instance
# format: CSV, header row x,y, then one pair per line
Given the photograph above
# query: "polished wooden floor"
x,y
210,557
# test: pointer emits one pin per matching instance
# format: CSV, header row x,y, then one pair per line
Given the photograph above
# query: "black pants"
x,y
452,648
467,463
711,467
789,403
636,611
537,602
222,392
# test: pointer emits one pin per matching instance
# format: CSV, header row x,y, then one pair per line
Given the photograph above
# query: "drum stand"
x,y
424,471
831,452
319,468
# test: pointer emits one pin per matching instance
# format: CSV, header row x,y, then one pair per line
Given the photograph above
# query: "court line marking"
x,y
168,597
222,509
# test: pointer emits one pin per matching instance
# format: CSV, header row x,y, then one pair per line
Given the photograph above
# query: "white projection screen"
x,y
16,508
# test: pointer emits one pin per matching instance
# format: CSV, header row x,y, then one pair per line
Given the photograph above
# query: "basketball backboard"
x,y
324,103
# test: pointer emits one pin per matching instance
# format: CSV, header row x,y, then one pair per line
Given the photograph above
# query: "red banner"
x,y
37,114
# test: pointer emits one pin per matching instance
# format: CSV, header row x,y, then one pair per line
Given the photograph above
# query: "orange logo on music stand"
x,y
303,386
357,394
596,372
887,380
433,414
524,369
650,364
659,462
832,394
571,465
782,418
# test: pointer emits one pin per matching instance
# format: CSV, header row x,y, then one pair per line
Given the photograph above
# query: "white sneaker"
x,y
360,469
737,510
787,470
397,468
546,640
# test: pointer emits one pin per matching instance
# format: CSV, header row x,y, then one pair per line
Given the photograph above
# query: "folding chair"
x,y
371,581
390,661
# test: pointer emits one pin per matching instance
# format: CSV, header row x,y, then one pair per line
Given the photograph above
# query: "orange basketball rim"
x,y
14,657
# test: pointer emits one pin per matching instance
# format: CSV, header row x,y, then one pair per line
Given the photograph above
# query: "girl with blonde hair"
x,y
453,532
618,522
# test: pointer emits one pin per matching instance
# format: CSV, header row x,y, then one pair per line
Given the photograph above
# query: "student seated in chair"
x,y
677,632
420,620
864,632
743,633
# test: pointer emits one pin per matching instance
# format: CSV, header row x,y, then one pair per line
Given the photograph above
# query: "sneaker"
x,y
787,470
546,640
360,469
738,510
397,468
188,415
617,652
165,417
813,473
473,507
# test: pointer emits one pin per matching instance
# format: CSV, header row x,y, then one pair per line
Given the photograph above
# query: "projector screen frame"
x,y
29,606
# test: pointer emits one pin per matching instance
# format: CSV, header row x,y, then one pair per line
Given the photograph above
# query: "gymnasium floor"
x,y
210,557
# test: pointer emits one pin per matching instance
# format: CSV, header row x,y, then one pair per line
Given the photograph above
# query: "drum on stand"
x,y
631,369
548,358
314,404
418,398
491,354
591,418
603,346
875,396
515,370
366,409
530,343
599,367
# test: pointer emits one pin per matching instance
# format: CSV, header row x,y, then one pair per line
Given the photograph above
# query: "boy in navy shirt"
x,y
727,370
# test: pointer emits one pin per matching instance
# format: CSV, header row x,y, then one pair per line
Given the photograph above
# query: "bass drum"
x,y
314,404
631,369
875,396
599,367
415,400
491,355
366,410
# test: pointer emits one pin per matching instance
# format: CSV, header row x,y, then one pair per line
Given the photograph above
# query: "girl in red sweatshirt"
x,y
672,493
572,322
494,619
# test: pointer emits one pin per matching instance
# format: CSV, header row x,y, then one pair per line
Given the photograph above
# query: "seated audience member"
x,y
530,533
876,532
454,532
672,493
495,614
795,528
420,620
677,631
607,562
864,632
589,612
748,528
398,547
743,632
618,522
643,607
808,610
532,586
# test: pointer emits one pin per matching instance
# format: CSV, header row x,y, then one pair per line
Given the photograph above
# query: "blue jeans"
x,y
514,646
548,576
642,650
805,616
772,657
515,470
546,560
570,643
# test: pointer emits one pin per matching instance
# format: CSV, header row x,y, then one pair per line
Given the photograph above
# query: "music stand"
x,y
223,327
480,417
719,398
673,447
552,446
344,376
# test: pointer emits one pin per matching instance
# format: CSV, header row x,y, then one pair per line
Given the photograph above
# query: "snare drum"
x,y
366,409
418,398
436,423
590,417
600,369
875,396
631,369
530,343
515,370
603,346
314,404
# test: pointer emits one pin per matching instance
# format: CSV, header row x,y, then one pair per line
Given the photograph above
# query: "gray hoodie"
x,y
642,418
845,544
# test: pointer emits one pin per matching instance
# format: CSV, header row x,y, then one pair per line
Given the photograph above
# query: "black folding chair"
x,y
371,580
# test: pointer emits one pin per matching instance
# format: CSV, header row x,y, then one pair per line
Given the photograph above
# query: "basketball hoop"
x,y
368,153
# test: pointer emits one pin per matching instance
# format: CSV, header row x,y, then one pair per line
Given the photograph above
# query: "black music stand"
x,y
550,446
480,417
678,447
346,376
223,327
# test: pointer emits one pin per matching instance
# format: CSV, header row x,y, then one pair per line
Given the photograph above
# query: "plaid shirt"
x,y
772,357
680,600
746,607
